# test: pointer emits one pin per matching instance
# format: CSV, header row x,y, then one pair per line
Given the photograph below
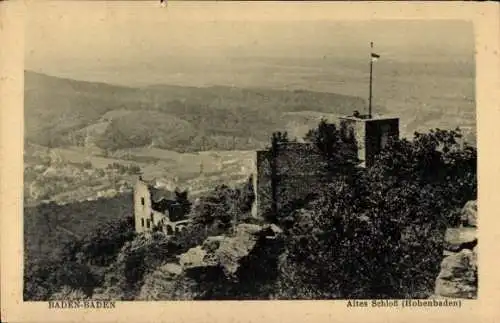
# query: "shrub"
x,y
378,233
101,246
136,259
44,278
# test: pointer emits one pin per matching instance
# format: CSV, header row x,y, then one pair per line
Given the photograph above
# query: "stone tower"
x,y
371,134
142,206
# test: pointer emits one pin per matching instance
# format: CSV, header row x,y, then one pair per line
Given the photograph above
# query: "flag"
x,y
375,57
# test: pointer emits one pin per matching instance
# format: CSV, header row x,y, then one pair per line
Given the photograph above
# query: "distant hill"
x,y
48,226
63,112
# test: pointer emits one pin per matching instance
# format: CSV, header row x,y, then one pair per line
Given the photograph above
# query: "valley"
x,y
197,136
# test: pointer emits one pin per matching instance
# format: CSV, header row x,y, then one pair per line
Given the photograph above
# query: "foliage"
x,y
437,160
247,196
101,246
182,199
44,278
380,230
47,226
136,259
224,206
68,293
124,169
216,212
55,258
337,146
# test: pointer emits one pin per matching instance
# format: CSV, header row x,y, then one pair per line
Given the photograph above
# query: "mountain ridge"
x,y
214,117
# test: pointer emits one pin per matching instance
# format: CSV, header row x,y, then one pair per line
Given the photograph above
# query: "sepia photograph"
x,y
187,158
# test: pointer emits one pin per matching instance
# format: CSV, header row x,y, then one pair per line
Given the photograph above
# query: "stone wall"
x,y
371,135
300,170
142,206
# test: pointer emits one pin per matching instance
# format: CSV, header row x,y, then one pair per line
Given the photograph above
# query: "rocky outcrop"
x,y
221,265
469,214
457,239
458,273
227,251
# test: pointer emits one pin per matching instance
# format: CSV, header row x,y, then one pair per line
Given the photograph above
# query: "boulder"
x,y
194,257
227,251
456,239
468,215
458,276
216,266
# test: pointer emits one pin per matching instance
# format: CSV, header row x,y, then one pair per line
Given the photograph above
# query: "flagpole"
x,y
371,78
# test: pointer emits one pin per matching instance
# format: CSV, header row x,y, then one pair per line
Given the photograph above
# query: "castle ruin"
x,y
157,209
295,170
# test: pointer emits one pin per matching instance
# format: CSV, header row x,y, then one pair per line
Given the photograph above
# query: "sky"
x,y
130,42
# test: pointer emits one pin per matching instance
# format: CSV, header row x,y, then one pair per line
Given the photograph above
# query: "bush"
x,y
44,278
224,206
378,233
136,259
101,246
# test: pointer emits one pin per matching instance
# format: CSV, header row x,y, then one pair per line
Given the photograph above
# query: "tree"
x,y
136,259
68,293
216,208
182,198
339,149
378,233
101,246
247,196
46,277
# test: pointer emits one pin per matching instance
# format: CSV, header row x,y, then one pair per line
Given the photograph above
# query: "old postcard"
x,y
320,158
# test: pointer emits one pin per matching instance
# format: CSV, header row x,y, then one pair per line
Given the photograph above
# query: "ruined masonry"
x,y
298,165
157,209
